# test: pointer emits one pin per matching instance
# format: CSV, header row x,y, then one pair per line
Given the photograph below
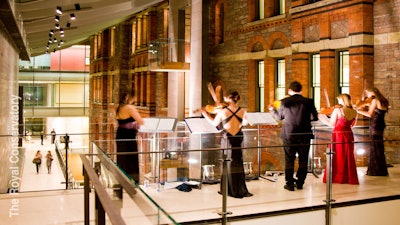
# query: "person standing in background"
x,y
41,137
343,118
129,121
378,108
297,113
53,136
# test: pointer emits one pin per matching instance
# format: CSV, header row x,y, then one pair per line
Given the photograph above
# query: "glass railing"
x,y
173,163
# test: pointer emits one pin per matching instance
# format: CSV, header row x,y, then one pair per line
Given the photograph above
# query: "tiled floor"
x,y
31,181
36,204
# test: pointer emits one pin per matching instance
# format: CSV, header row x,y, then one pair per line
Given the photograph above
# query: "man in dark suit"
x,y
297,113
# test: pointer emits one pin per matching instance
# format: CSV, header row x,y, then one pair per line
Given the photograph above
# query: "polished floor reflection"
x,y
37,204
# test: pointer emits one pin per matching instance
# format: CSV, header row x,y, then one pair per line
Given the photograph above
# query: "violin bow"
x,y
212,92
327,98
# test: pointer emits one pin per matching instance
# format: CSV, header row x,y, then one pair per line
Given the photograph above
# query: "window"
x,y
316,83
261,13
112,42
133,36
219,23
260,94
344,72
281,7
280,87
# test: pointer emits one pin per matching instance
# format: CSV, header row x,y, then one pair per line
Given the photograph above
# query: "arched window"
x,y
219,22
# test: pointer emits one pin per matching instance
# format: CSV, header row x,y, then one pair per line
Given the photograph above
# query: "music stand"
x,y
157,125
199,125
260,118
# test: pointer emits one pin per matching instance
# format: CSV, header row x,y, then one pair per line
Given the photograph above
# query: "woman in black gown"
x,y
232,117
129,120
378,108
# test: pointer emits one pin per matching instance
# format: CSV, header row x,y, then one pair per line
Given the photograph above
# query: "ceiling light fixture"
x,y
61,42
51,32
57,19
57,26
55,40
59,10
72,16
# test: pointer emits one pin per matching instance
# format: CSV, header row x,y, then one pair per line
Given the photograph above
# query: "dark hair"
x,y
295,86
123,94
233,95
378,95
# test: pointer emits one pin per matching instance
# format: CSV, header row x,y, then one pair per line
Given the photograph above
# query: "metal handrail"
x,y
101,196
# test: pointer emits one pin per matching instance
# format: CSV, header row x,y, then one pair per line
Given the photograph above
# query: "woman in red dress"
x,y
344,170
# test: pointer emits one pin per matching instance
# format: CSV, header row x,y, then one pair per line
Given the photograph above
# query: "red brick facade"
x,y
367,29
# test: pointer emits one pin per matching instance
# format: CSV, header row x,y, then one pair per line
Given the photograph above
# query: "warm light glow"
x,y
361,151
192,161
59,10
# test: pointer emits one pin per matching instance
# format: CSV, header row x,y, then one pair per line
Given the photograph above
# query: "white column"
x,y
195,57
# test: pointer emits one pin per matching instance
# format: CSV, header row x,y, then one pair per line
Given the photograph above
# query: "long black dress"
x,y
377,161
126,142
235,172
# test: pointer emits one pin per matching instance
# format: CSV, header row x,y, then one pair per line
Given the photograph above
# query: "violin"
x,y
363,105
328,111
212,109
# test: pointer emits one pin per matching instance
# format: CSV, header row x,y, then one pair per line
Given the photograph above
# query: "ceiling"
x,y
92,16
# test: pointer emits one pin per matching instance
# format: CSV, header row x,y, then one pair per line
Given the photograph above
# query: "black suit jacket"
x,y
297,113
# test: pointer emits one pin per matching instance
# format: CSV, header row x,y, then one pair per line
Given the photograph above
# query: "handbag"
x,y
37,161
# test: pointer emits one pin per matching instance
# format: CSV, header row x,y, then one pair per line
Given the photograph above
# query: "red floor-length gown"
x,y
344,170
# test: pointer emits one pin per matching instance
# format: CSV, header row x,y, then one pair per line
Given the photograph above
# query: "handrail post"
x,y
328,200
86,196
224,184
100,213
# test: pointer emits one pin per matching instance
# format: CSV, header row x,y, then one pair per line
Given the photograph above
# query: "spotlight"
x,y
47,47
61,31
68,25
62,35
55,40
57,19
59,45
77,7
50,41
59,10
72,16
61,42
57,26
51,32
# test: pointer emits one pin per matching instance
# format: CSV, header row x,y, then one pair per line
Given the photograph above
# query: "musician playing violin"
x,y
343,162
377,110
231,119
